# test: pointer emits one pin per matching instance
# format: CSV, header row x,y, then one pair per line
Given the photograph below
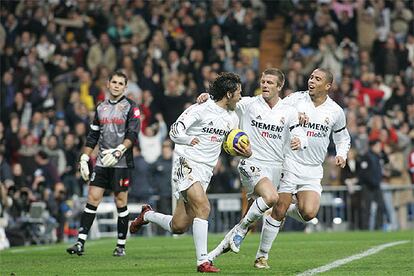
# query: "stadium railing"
x,y
334,214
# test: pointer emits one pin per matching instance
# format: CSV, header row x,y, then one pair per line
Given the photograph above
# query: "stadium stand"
x,y
56,57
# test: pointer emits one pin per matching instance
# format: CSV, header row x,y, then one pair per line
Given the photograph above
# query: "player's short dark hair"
x,y
328,75
225,82
276,72
119,74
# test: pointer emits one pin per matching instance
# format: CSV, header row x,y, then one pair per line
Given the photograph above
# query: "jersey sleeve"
x,y
291,100
243,104
341,136
94,131
296,130
133,123
178,131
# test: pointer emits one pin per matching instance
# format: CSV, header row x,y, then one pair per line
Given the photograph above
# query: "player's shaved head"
x,y
328,75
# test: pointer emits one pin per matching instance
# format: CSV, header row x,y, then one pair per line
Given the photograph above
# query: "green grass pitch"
x,y
292,253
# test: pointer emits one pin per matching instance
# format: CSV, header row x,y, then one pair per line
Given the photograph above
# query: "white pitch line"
x,y
340,262
41,248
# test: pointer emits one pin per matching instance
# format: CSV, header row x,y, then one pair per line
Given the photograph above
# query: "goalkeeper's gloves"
x,y
84,167
112,156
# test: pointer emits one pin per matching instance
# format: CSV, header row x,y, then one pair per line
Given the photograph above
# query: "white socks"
x,y
270,230
294,213
223,246
254,213
162,220
200,231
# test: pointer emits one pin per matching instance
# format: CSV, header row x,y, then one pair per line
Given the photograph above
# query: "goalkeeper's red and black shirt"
x,y
113,123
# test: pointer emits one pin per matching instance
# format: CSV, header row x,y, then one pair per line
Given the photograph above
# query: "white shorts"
x,y
292,183
251,172
186,172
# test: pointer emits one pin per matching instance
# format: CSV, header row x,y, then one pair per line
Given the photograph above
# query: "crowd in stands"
x,y
56,57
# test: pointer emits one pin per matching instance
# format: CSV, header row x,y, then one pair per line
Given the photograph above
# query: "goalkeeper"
x,y
115,129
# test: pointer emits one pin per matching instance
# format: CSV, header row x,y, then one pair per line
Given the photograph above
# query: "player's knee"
x,y
279,211
308,214
178,228
270,199
203,212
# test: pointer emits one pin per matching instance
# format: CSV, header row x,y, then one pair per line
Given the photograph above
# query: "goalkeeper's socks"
x,y
86,221
254,213
123,219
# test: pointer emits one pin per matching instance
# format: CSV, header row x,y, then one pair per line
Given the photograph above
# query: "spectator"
x,y
55,154
140,189
151,139
102,53
370,178
161,175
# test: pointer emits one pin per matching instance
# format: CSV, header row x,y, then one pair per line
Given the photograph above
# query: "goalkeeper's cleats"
x,y
119,252
139,221
77,248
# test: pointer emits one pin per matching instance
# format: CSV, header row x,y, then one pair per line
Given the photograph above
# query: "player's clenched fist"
x,y
84,167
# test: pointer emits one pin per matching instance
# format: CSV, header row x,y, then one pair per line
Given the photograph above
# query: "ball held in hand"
x,y
236,137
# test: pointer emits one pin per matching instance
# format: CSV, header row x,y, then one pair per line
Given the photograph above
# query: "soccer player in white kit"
x,y
271,126
302,170
198,134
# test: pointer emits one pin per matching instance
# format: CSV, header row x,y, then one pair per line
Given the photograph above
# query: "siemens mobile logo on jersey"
x,y
212,130
267,127
221,133
116,121
322,130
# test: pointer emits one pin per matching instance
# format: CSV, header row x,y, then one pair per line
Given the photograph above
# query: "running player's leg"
x,y
200,206
308,201
270,229
267,198
308,204
224,245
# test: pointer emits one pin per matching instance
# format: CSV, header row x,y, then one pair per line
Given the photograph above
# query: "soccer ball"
x,y
235,136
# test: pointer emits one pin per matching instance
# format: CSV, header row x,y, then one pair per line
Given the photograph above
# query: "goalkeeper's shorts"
x,y
114,179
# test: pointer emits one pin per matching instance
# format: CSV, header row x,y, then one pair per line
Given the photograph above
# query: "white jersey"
x,y
325,119
210,124
269,129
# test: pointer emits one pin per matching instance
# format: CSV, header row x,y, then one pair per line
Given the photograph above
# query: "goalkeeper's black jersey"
x,y
114,122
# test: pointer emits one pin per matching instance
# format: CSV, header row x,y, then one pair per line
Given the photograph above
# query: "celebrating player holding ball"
x,y
198,134
270,127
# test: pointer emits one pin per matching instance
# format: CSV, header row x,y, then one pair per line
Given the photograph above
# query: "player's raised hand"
x,y
340,161
303,118
295,143
243,149
195,141
202,98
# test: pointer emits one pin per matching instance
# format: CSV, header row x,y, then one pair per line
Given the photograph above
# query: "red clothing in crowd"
x,y
368,96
